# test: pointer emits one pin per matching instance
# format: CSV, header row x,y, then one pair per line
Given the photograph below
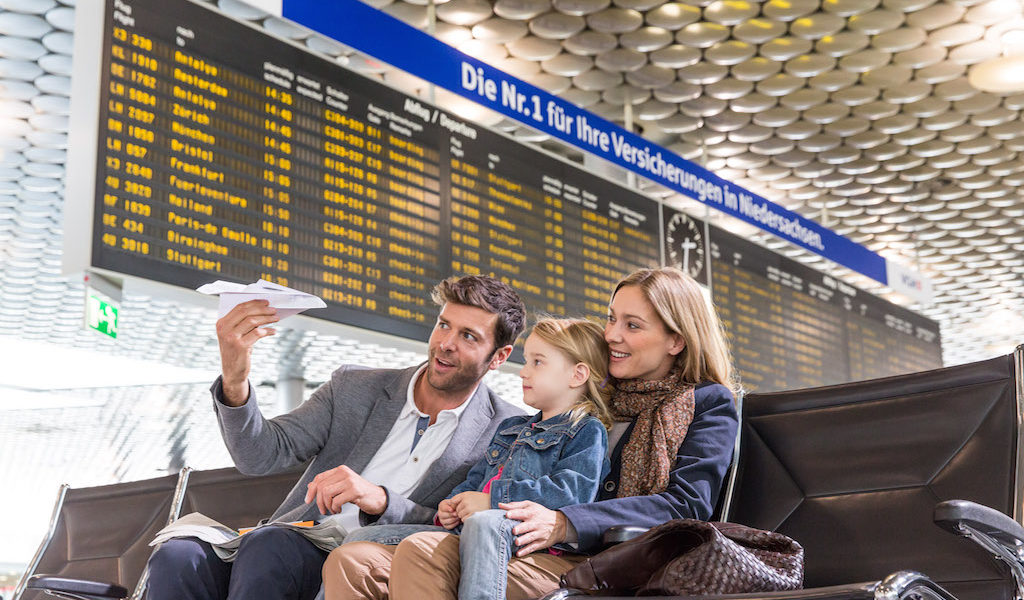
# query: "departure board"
x,y
792,327
223,153
228,154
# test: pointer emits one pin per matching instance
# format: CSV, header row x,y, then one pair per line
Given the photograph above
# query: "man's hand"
x,y
334,488
237,331
446,514
467,503
541,527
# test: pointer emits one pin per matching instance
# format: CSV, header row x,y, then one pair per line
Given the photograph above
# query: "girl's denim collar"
x,y
560,420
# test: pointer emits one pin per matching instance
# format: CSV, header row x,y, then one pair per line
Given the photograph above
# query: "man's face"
x,y
461,348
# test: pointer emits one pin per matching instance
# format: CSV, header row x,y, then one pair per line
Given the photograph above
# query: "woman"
x,y
672,444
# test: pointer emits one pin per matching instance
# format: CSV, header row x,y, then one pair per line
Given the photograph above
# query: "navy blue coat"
x,y
694,483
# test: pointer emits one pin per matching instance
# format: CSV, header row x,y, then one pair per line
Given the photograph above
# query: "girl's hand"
x,y
446,515
467,503
540,528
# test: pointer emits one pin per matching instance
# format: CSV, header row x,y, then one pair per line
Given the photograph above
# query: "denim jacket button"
x,y
609,486
540,440
494,453
529,433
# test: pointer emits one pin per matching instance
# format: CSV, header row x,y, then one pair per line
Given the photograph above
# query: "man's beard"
x,y
464,376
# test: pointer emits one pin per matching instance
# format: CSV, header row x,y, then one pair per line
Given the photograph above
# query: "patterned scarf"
x,y
663,410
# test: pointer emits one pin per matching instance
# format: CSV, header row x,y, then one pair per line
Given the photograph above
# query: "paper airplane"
x,y
287,301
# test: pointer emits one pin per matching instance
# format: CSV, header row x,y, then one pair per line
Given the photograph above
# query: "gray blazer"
x,y
344,423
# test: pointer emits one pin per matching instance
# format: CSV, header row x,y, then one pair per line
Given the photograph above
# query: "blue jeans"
x,y
486,545
272,563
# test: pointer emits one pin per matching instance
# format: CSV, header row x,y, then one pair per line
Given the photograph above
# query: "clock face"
x,y
685,239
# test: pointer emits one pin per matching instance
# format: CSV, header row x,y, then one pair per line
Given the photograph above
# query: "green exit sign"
x,y
101,315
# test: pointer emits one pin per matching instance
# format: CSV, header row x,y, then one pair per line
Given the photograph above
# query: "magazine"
x,y
326,535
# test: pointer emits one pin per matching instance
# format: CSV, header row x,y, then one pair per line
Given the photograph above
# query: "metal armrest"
x,y
616,534
856,591
77,589
997,533
901,585
950,515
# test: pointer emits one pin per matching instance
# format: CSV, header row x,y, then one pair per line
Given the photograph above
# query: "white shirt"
x,y
396,465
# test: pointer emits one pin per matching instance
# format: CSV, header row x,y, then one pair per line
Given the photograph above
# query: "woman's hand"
x,y
540,528
467,503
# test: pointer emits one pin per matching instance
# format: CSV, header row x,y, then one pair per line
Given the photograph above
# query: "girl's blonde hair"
x,y
678,300
582,341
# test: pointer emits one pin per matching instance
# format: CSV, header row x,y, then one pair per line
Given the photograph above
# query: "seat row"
x,y
853,472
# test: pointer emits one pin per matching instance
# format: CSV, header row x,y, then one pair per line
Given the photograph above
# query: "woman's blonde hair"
x,y
678,300
582,341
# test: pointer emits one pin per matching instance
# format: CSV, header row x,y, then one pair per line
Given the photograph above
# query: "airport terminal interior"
x,y
895,124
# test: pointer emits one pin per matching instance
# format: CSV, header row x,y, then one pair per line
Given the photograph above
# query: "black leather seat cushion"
x,y
854,471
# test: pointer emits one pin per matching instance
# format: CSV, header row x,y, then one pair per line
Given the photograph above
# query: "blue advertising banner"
x,y
392,41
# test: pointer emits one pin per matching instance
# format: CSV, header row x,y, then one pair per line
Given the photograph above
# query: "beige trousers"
x,y
425,566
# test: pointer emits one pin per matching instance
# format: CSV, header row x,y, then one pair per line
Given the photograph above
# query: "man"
x,y
386,445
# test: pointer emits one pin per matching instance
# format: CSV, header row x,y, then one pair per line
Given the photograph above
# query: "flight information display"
x,y
793,327
228,154
224,153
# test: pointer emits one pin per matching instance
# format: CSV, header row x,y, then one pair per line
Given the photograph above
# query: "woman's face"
x,y
641,346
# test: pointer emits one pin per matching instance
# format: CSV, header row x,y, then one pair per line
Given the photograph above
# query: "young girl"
x,y
555,458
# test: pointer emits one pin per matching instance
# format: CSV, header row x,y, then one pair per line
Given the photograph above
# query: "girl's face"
x,y
551,382
640,344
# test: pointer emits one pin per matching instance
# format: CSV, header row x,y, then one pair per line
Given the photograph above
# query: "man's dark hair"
x,y
488,294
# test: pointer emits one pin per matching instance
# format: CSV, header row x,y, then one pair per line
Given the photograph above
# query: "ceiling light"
x,y
15,399
999,75
29,366
1005,74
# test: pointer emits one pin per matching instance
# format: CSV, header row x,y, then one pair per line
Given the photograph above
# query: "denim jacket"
x,y
554,462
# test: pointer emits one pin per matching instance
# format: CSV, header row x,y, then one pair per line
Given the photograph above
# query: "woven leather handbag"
x,y
690,557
